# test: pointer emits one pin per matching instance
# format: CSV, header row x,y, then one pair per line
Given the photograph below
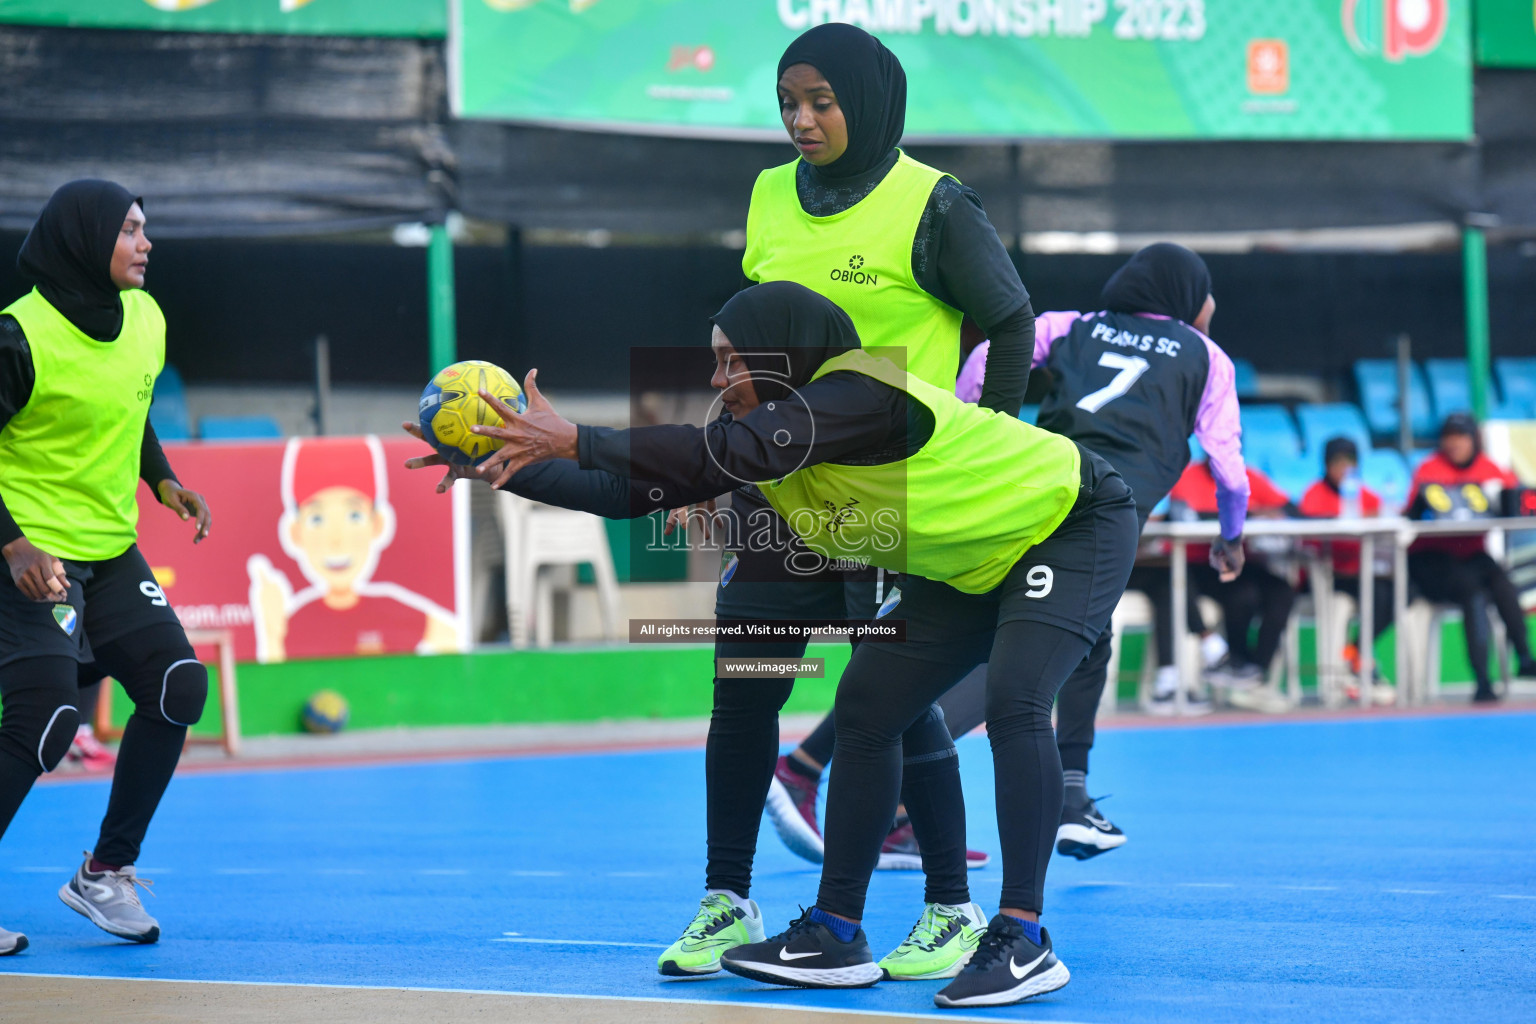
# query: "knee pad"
x,y
57,735
183,691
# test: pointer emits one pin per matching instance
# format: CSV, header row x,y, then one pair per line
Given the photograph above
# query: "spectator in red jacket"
x,y
1258,593
1325,500
1459,481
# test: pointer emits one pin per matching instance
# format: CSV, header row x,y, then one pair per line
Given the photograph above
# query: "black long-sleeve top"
x,y
17,377
958,258
844,417
629,473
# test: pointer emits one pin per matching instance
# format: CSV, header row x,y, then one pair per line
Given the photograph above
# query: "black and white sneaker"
x,y
1085,832
1005,968
807,954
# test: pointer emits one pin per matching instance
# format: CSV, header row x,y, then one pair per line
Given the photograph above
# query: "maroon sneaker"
x,y
792,809
899,852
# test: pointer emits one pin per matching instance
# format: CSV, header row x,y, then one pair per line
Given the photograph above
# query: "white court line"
x,y
579,942
750,1004
340,871
1207,885
1415,892
1511,896
538,874
1310,888
634,874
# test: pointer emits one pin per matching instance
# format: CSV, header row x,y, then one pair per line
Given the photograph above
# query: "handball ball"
x,y
326,711
451,404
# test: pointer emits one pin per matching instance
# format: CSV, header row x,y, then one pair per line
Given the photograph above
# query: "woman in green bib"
x,y
78,359
1017,544
906,251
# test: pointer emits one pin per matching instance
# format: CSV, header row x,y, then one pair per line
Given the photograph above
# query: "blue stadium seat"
x,y
239,428
1452,392
1294,475
168,413
1268,435
1320,423
1196,453
1245,378
1029,413
1385,471
1376,380
1517,380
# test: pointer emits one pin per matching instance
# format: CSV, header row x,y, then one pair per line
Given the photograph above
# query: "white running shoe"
x,y
11,942
111,901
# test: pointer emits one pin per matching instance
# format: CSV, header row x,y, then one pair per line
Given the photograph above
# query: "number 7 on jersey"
x,y
1130,367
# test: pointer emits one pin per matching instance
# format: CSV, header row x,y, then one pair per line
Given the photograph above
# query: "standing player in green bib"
x,y
907,252
78,359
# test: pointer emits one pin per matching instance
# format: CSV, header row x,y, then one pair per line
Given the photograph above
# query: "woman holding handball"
x,y
78,359
1017,543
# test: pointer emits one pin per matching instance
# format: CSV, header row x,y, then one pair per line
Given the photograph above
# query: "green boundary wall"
x,y
576,684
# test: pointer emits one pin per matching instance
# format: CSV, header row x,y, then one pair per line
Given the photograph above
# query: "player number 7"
x,y
1130,367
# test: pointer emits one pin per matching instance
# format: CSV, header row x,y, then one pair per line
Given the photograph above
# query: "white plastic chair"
x,y
539,537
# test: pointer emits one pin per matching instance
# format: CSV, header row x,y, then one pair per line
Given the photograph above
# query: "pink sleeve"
x,y
1219,430
968,386
1048,328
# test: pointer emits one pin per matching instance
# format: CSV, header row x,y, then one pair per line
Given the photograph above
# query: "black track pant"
x,y
743,747
1470,582
1256,594
168,687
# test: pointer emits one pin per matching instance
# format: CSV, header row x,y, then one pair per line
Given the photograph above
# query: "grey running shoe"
x,y
110,900
11,942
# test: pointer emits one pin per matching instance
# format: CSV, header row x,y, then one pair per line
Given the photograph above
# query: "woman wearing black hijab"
x,y
907,252
78,359
1016,542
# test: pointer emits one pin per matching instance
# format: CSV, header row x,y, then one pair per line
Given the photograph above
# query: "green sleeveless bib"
x,y
69,459
861,259
962,510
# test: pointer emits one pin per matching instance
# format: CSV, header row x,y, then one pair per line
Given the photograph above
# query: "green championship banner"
x,y
1506,33
985,69
419,18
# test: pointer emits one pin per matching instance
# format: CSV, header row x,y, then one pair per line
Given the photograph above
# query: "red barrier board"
x,y
320,547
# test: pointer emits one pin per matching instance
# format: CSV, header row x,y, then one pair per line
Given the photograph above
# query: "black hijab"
x,y
785,332
68,254
1162,278
871,89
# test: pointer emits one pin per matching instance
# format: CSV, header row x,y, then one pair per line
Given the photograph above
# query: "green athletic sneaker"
x,y
941,943
718,926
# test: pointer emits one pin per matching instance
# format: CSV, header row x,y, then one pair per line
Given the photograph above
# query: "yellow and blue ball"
x,y
451,404
326,711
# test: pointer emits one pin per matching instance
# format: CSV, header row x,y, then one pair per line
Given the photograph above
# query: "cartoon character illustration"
x,y
336,522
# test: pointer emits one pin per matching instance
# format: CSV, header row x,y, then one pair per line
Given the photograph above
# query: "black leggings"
x,y
1469,582
743,746
168,687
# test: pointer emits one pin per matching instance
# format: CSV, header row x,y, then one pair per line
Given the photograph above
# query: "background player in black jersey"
x,y
1130,382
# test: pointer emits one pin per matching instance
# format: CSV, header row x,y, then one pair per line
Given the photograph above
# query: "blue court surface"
x,y
1380,869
